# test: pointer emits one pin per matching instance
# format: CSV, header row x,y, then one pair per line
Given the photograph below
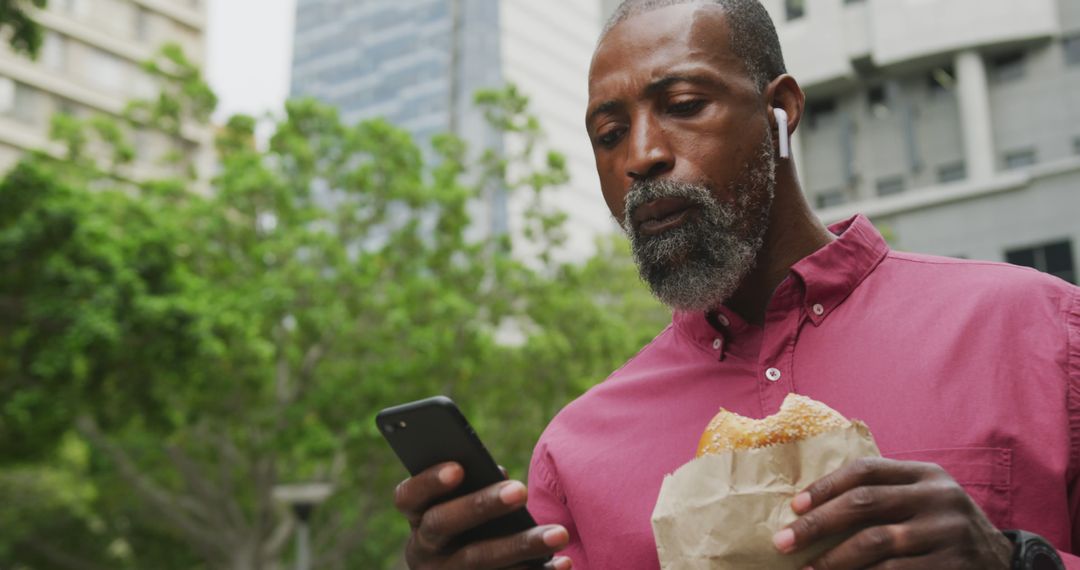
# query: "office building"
x,y
418,64
953,124
90,63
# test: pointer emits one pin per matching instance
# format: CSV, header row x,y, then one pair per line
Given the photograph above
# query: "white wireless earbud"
x,y
782,130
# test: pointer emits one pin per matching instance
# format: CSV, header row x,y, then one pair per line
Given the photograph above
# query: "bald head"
x,y
752,33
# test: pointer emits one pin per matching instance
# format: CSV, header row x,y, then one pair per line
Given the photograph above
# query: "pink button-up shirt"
x,y
971,365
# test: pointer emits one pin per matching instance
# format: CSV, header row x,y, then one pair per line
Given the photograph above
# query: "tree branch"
x,y
173,509
231,462
275,543
215,503
50,552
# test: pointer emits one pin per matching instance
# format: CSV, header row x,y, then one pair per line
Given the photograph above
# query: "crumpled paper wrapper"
x,y
720,511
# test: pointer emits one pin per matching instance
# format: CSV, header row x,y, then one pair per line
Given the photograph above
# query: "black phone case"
x,y
432,431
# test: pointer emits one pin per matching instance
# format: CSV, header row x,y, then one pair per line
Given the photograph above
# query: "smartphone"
x,y
428,432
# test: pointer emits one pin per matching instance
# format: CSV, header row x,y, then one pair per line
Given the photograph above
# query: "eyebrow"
x,y
655,87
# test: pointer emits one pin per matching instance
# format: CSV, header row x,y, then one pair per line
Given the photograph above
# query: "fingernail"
x,y
801,503
512,493
784,540
563,563
556,536
448,474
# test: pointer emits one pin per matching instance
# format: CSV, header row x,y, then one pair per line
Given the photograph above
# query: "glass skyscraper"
x,y
418,63
415,63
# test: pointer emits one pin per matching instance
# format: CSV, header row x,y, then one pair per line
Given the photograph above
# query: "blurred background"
x,y
232,230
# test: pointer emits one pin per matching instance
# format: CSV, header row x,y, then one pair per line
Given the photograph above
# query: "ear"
x,y
784,93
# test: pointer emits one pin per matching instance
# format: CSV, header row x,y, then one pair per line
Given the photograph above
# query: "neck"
x,y
794,232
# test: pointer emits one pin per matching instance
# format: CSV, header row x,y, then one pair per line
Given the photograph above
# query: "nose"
x,y
649,150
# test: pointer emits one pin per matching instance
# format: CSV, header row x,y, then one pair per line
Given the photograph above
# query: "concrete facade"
x,y
90,63
953,123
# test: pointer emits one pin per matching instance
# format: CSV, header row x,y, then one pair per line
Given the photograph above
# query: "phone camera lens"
x,y
388,428
402,425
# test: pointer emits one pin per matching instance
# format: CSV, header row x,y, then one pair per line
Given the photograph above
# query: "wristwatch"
x,y
1032,552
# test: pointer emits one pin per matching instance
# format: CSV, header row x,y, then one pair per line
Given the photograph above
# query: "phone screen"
x,y
428,432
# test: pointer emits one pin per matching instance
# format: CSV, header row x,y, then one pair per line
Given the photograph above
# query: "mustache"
x,y
642,192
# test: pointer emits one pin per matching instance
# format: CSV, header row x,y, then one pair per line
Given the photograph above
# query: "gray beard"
x,y
700,264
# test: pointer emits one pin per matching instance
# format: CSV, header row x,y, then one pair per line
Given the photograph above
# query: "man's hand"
x,y
434,527
904,515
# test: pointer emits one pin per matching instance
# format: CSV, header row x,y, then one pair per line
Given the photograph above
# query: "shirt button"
x,y
819,310
716,344
724,322
772,374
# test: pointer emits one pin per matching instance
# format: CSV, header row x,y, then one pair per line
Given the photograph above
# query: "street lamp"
x,y
303,498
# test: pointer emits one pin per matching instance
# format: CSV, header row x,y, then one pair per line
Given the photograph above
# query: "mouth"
x,y
661,215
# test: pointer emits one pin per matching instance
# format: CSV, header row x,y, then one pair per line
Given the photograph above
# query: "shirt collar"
x,y
831,273
827,277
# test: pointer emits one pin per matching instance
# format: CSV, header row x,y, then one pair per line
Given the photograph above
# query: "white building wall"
x,y
546,50
90,63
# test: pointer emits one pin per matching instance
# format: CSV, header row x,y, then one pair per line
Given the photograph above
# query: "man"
x,y
968,373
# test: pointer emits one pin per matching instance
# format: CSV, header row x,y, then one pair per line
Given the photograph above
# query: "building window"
x,y
941,80
1020,159
891,185
67,107
104,70
1008,67
7,95
830,198
142,24
1072,50
819,110
77,8
20,102
54,52
794,9
1053,258
877,100
954,172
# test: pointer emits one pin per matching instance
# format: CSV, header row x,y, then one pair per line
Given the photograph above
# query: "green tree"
x,y
17,22
168,357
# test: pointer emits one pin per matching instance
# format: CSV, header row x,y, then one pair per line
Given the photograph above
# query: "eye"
x,y
609,138
686,107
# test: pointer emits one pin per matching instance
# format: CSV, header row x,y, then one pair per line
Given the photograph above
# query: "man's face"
x,y
683,150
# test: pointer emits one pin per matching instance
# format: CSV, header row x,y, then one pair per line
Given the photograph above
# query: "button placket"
x,y
783,322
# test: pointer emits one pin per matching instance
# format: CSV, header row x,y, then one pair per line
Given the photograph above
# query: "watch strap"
x,y
1032,552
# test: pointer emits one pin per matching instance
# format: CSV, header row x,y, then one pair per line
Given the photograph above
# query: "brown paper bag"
x,y
720,511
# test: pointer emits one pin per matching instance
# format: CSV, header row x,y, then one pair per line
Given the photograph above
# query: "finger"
x,y
441,523
908,563
858,508
866,471
886,546
557,563
533,544
413,495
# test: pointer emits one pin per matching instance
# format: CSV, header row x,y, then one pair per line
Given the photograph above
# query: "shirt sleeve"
x,y
1072,325
547,504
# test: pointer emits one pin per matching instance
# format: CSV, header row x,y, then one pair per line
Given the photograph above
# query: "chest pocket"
x,y
984,472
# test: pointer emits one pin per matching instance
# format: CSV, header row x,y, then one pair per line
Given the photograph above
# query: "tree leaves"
x,y
200,349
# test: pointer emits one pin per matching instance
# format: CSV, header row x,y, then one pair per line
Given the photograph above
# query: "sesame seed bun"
x,y
799,418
